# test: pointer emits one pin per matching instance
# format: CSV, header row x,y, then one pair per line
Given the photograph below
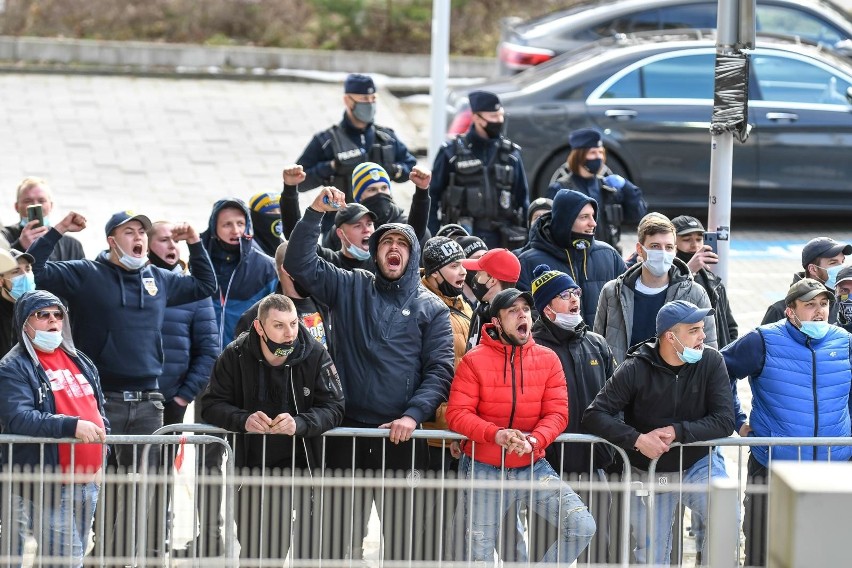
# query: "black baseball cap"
x,y
823,247
686,225
352,213
506,298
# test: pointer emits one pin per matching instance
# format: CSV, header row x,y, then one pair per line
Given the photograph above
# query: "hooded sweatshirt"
x,y
394,344
118,313
245,275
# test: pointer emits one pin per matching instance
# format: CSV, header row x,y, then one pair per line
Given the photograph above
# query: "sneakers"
x,y
212,547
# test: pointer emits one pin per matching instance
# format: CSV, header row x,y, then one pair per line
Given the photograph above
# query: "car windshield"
x,y
553,16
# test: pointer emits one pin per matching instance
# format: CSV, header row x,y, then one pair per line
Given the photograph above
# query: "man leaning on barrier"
x,y
799,371
503,387
275,380
50,390
671,388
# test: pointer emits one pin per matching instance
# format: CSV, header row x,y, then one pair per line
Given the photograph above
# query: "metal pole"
x,y
723,538
719,211
439,72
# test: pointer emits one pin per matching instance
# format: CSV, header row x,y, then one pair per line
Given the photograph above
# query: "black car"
x,y
525,44
651,97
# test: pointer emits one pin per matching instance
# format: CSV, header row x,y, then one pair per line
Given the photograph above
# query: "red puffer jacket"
x,y
500,386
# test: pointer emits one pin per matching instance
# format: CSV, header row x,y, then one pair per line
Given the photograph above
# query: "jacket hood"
x,y
567,205
649,351
209,235
32,302
411,277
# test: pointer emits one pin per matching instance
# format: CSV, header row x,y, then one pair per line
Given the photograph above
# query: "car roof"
x,y
587,13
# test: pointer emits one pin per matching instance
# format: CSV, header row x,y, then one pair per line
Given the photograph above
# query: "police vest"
x,y
347,155
480,191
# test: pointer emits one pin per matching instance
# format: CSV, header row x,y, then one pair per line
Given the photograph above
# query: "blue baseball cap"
x,y
680,311
123,217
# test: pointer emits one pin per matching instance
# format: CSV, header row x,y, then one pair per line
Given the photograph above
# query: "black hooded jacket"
x,y
306,386
696,401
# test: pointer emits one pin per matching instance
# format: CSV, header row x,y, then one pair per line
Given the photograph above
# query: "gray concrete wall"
x,y
187,57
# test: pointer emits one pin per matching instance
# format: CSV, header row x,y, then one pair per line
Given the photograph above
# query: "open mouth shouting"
x,y
138,250
171,257
394,260
523,330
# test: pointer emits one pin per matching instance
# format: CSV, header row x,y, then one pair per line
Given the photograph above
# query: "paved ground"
x,y
170,148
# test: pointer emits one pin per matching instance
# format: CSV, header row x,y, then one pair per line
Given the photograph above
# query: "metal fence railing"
x,y
368,502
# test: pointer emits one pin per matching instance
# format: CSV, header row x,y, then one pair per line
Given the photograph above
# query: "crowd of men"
x,y
507,321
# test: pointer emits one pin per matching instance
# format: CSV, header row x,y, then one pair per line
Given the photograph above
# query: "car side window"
x,y
790,21
783,79
685,77
692,16
628,23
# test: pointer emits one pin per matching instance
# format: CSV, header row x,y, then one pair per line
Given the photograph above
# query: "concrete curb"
x,y
251,62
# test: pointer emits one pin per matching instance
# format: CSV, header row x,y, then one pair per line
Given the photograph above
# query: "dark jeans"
x,y
122,499
346,510
755,523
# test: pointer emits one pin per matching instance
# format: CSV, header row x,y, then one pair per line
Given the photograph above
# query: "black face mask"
x,y
470,278
449,290
593,166
228,247
684,256
582,241
267,231
508,339
382,206
283,349
157,261
479,290
493,129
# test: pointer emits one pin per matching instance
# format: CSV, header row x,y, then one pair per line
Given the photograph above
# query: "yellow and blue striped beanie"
x,y
366,174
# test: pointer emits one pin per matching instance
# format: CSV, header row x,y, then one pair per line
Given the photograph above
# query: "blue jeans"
x,y
61,522
543,492
666,501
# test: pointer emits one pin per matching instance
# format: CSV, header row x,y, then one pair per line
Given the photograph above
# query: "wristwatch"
x,y
533,441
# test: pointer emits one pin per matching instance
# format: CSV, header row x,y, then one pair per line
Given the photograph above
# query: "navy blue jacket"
x,y
394,344
118,313
253,278
27,406
190,346
590,268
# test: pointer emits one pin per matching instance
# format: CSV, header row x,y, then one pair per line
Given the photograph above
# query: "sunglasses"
x,y
568,294
47,314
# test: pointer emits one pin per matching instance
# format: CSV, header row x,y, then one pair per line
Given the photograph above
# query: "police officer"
x,y
478,179
332,154
586,171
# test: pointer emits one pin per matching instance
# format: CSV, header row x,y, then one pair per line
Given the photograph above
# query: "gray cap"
x,y
352,213
807,289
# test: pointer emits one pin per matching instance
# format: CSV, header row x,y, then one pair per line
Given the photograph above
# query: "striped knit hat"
x,y
264,202
366,174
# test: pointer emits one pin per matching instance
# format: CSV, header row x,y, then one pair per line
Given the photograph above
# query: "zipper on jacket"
x,y
814,391
512,365
677,395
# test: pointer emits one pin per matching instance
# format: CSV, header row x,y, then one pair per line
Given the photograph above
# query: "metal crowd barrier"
x,y
395,513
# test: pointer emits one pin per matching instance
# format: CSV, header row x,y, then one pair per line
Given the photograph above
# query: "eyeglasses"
x,y
568,294
43,315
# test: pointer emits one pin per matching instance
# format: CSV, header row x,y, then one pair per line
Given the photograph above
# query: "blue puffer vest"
x,y
802,391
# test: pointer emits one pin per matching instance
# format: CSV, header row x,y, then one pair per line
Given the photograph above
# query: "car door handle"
x,y
791,116
621,114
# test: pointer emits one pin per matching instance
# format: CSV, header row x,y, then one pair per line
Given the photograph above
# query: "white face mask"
x,y
658,262
130,262
568,321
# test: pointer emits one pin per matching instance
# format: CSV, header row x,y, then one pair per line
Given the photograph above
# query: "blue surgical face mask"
x,y
47,340
832,272
45,222
21,284
814,329
658,262
358,253
690,354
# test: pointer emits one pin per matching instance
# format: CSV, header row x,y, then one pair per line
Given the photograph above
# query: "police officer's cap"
x,y
483,101
585,138
357,84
